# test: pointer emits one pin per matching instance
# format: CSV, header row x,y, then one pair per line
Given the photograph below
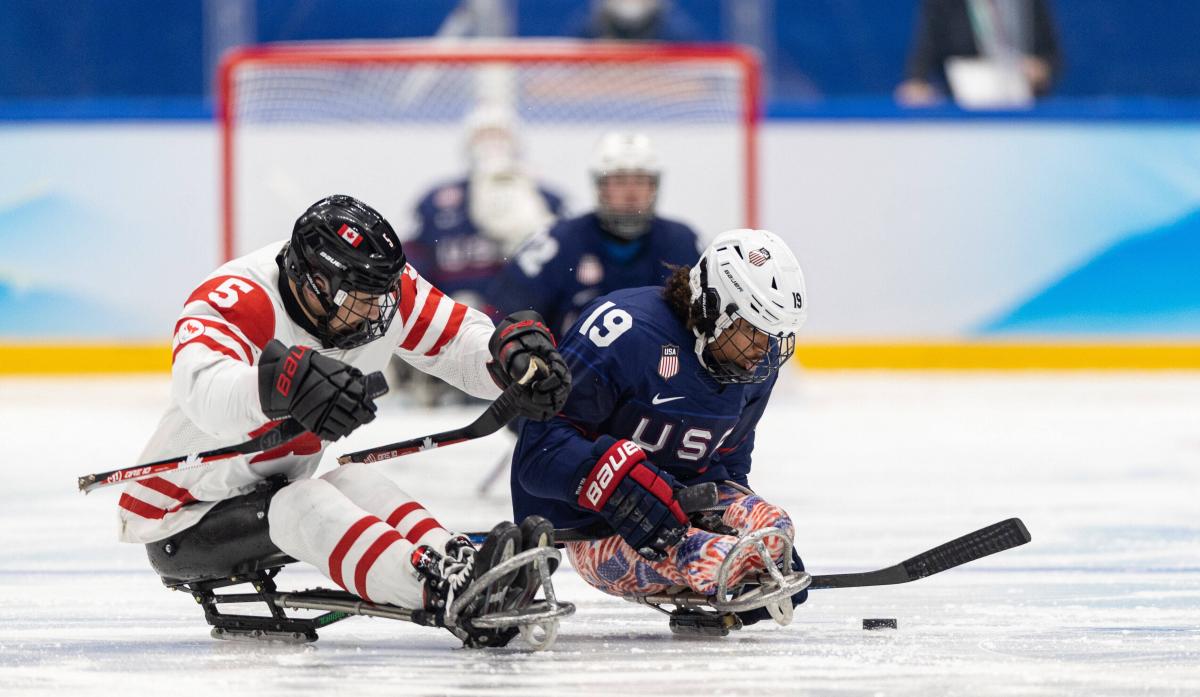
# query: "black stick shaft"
x,y
498,413
983,542
280,434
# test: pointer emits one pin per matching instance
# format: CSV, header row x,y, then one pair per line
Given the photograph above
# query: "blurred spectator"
x,y
636,20
1017,34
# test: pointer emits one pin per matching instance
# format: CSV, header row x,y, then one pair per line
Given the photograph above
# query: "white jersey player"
x,y
290,331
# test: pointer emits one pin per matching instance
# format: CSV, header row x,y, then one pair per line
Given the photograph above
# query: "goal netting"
x,y
384,122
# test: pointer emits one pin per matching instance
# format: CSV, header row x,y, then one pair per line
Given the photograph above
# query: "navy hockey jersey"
x,y
635,375
451,251
561,271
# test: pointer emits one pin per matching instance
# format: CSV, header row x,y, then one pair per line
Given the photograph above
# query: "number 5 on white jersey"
x,y
226,294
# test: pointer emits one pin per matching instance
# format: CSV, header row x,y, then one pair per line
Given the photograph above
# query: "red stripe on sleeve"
x,y
208,342
377,548
418,531
343,547
398,515
225,330
140,508
408,295
167,488
417,331
451,330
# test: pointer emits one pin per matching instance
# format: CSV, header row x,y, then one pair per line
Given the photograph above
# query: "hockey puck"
x,y
880,623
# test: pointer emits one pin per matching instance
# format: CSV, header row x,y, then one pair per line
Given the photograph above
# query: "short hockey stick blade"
x,y
283,432
983,542
498,413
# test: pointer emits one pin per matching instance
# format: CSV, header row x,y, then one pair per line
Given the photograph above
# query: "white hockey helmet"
x,y
749,275
491,134
625,153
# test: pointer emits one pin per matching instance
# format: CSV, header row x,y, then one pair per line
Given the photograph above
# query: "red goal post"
x,y
382,121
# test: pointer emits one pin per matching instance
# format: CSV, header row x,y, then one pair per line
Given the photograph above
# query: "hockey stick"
x,y
281,433
692,499
983,542
498,413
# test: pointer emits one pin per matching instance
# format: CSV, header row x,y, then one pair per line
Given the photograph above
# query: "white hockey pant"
x,y
359,529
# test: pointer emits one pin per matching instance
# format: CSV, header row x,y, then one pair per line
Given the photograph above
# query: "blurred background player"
x,y
467,228
669,385
292,330
623,243
635,20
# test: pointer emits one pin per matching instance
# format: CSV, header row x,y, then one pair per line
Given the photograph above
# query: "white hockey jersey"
x,y
218,338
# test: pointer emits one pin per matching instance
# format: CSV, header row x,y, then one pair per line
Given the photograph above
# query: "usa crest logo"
x,y
668,364
758,257
349,235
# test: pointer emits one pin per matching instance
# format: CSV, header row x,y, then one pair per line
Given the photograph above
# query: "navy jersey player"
x,y
466,229
622,244
668,386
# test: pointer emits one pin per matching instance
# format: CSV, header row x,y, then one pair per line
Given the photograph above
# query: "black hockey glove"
x,y
328,397
635,498
519,337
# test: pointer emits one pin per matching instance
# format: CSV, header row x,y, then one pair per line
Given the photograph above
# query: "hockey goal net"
x,y
384,122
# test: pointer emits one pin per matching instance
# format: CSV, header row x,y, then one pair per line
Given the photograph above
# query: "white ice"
x,y
1103,468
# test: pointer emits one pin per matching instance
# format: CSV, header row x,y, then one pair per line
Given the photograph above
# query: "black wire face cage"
x,y
354,308
730,371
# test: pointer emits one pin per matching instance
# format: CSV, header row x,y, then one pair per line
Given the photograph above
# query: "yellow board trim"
x,y
79,359
75,359
999,356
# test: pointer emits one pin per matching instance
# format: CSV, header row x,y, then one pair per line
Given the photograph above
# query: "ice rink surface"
x,y
1103,468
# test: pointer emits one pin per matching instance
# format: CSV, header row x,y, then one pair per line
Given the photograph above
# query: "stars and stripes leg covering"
x,y
614,567
379,495
314,522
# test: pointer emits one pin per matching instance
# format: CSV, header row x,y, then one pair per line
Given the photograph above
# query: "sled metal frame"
x,y
715,615
537,624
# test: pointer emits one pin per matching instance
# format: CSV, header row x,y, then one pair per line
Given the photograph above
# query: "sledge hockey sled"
x,y
230,549
696,614
701,615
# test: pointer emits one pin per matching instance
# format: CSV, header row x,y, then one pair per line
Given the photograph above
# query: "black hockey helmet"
x,y
343,250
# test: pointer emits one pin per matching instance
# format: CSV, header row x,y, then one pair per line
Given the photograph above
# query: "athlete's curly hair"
x,y
678,294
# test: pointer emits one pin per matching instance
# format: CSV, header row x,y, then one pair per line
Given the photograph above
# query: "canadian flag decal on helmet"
x,y
349,235
758,257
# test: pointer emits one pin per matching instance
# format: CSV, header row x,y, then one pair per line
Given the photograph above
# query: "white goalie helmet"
x,y
625,153
491,136
750,275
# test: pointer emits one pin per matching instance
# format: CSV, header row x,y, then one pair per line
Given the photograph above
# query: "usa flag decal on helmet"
x,y
758,257
668,364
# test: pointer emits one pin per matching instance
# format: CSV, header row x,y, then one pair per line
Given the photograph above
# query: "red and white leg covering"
x,y
315,522
379,496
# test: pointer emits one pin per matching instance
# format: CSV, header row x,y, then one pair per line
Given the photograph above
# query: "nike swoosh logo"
x,y
664,400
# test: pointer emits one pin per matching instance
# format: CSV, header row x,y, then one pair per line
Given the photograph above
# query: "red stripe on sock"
x,y
398,515
377,548
414,535
343,547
